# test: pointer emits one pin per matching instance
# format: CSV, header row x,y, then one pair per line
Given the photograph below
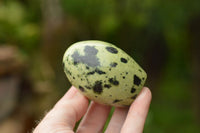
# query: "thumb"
x,y
67,111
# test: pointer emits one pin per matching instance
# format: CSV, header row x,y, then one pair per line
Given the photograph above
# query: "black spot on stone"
x,y
97,88
124,60
123,77
126,73
109,69
81,88
140,70
137,80
143,78
73,77
87,87
113,64
87,67
96,71
89,58
107,86
133,90
113,81
116,100
87,80
75,62
91,73
112,50
134,97
110,95
96,96
99,71
67,71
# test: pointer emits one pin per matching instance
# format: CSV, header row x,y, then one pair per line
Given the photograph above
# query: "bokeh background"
x,y
162,36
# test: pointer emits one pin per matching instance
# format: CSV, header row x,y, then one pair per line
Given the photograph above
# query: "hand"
x,y
73,105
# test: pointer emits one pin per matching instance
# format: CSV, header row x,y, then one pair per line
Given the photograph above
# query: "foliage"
x,y
16,28
156,33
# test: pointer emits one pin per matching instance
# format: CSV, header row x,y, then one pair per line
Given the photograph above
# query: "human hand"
x,y
73,105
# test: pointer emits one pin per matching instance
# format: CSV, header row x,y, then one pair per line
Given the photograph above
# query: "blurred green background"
x,y
162,36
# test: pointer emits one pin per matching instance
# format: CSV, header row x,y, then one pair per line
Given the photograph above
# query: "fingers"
x,y
95,118
73,101
73,106
68,110
117,120
136,117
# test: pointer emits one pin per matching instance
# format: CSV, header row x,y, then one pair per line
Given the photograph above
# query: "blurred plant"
x,y
157,34
15,27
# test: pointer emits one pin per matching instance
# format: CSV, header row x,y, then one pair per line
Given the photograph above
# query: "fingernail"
x,y
143,92
78,94
71,92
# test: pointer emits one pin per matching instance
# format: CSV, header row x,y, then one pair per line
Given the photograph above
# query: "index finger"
x,y
68,110
137,114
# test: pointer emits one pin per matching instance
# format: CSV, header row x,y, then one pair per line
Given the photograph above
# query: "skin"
x,y
73,106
